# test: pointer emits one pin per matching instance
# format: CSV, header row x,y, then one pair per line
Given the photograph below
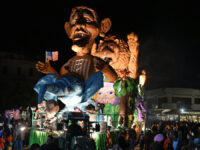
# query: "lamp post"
x,y
180,112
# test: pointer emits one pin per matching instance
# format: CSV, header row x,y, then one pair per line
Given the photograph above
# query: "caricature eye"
x,y
88,19
100,93
110,92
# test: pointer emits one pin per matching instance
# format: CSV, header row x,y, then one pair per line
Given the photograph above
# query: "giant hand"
x,y
134,49
105,67
132,42
45,68
107,50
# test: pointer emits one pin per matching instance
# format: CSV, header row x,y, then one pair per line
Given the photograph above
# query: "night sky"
x,y
167,33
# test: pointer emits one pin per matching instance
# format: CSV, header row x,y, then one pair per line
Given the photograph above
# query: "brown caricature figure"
x,y
83,28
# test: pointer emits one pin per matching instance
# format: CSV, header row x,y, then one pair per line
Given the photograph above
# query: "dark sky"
x,y
167,33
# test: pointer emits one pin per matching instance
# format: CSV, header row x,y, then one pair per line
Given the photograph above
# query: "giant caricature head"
x,y
83,27
107,95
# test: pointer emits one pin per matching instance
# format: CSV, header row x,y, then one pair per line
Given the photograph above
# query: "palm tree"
x,y
125,87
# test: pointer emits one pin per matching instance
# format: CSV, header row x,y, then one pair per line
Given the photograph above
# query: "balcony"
x,y
172,106
195,107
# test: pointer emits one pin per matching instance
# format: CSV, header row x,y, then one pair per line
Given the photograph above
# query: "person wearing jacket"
x,y
2,141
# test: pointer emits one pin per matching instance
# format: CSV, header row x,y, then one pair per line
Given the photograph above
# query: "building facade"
x,y
18,76
173,104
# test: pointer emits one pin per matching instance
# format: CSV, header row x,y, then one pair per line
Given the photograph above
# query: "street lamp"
x,y
182,110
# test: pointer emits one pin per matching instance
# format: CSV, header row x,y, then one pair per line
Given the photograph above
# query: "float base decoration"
x,y
131,100
125,89
100,139
38,137
61,133
113,112
39,134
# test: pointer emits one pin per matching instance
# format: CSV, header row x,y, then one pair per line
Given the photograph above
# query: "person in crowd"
x,y
1,124
6,128
141,140
35,146
26,134
18,136
48,141
2,142
50,144
108,140
176,141
197,143
167,145
158,142
10,126
132,138
147,140
9,142
121,144
190,138
6,132
157,146
74,129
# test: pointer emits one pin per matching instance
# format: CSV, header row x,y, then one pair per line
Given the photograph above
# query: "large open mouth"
x,y
79,36
81,39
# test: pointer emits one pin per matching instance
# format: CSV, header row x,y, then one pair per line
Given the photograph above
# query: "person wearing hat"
x,y
158,142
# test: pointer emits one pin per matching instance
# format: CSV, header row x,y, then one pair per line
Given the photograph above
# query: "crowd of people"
x,y
174,136
14,134
49,145
161,136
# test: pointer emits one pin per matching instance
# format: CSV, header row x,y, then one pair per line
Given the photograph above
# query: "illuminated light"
x,y
182,110
143,128
142,78
22,128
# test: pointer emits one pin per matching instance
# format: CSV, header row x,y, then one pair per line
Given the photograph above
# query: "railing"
x,y
105,118
39,118
93,118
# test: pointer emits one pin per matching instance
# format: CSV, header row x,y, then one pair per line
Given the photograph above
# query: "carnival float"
x,y
100,86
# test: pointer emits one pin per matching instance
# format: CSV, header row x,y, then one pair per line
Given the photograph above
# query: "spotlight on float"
x,y
182,110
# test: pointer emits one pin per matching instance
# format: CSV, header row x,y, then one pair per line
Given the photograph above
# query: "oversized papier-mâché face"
x,y
83,27
107,95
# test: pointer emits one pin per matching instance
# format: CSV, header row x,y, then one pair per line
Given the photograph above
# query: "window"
x,y
197,100
182,102
151,102
162,100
